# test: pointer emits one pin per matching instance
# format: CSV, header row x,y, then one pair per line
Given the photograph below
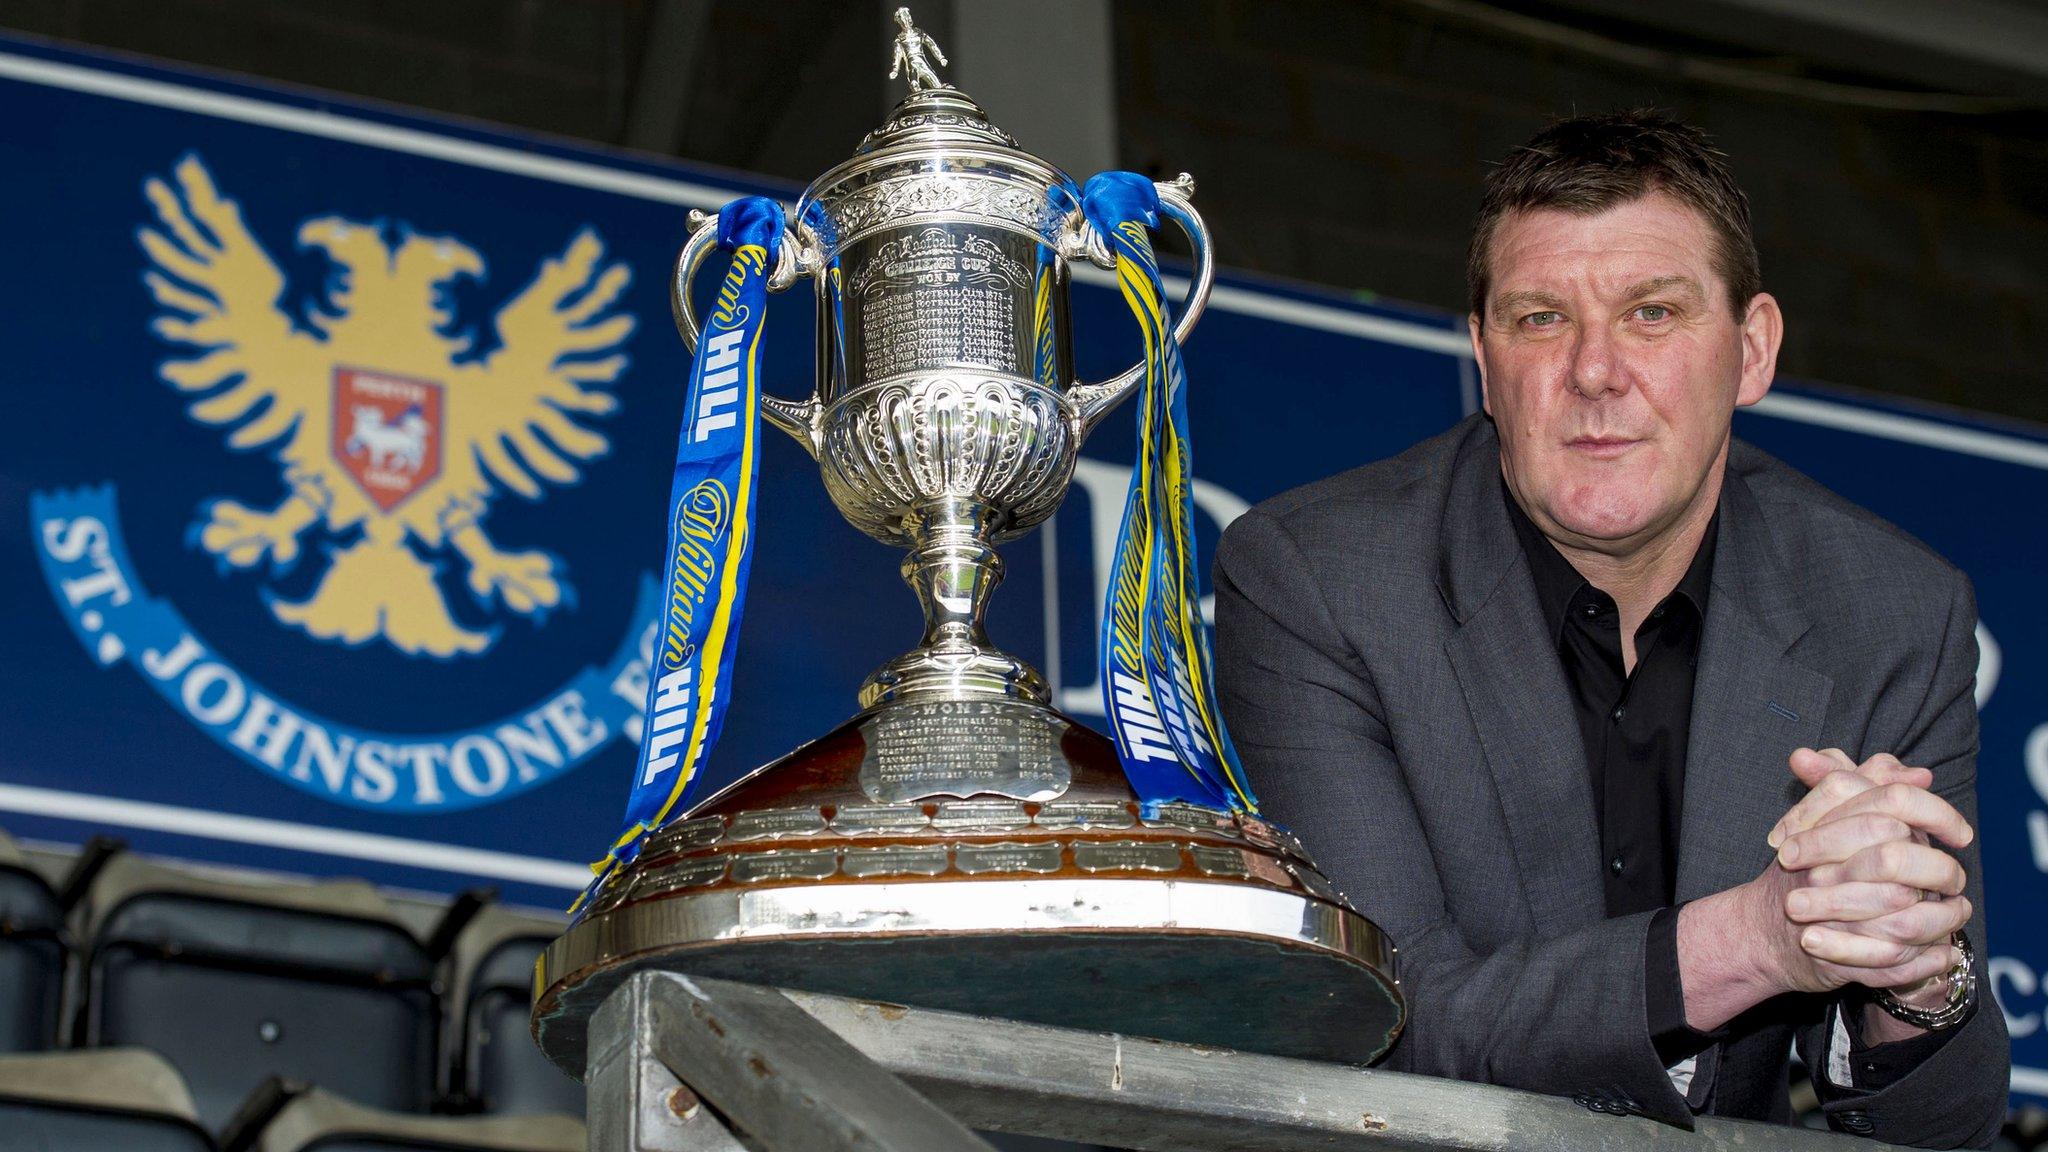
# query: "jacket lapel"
x,y
1515,691
1752,703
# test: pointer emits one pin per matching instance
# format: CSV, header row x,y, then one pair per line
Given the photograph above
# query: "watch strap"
x,y
1955,1008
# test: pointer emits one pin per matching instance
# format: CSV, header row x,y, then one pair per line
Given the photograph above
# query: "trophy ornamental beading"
x,y
958,843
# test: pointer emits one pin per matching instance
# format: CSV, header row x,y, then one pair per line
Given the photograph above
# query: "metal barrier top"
x,y
679,1064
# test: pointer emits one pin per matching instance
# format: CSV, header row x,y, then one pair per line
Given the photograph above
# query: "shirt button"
x,y
1657,613
1592,610
1616,865
1620,710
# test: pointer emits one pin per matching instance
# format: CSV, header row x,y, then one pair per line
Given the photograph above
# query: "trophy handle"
x,y
797,256
1093,401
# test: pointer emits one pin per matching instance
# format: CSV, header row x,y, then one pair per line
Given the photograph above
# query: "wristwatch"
x,y
1962,993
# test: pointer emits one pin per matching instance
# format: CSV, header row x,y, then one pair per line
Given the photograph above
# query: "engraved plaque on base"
x,y
977,859
775,823
1128,856
894,861
807,864
925,748
1082,814
691,873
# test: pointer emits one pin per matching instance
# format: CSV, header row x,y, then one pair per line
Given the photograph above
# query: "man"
x,y
1543,694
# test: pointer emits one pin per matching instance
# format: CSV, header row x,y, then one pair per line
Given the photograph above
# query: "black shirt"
x,y
1635,725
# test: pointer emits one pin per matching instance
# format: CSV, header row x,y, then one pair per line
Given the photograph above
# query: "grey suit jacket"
x,y
1384,671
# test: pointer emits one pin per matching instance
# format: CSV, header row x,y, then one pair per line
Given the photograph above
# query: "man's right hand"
x,y
1831,779
1877,929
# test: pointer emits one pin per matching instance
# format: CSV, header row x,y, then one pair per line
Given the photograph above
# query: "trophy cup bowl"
x,y
898,447
959,843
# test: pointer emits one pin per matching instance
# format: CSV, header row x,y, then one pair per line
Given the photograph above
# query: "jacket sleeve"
x,y
1956,1096
1561,1014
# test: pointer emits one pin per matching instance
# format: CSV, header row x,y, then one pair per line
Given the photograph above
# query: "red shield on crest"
x,y
386,432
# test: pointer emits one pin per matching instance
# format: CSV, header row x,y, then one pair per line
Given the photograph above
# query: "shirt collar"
x,y
1558,583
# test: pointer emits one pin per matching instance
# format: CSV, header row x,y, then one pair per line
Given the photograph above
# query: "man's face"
x,y
1611,365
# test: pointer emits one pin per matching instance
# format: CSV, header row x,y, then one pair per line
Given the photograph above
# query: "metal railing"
x,y
680,1065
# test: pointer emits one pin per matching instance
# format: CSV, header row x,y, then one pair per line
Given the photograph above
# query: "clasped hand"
x,y
1861,893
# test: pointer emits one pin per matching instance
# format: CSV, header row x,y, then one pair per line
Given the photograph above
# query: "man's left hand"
x,y
1862,834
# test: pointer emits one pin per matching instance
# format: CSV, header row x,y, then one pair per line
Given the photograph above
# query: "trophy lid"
x,y
936,157
934,112
935,116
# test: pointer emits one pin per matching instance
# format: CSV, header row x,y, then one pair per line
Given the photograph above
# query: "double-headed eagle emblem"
x,y
391,433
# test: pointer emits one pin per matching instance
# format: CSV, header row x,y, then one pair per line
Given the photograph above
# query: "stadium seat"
x,y
312,1120
31,955
497,1067
111,1100
235,981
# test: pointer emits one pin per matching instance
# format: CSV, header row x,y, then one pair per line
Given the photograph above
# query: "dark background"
x,y
1898,171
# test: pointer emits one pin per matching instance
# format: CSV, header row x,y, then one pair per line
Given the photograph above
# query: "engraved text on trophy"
x,y
939,297
963,748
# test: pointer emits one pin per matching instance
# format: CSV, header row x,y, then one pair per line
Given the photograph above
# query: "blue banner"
x,y
330,516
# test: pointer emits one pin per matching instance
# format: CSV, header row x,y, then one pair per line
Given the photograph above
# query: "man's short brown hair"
x,y
1589,164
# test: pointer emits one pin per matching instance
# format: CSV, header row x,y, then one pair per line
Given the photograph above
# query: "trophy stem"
x,y
953,567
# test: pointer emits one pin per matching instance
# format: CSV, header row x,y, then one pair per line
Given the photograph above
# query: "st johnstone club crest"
x,y
387,433
392,440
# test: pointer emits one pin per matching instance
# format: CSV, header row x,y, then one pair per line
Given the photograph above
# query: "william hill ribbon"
x,y
1157,673
710,536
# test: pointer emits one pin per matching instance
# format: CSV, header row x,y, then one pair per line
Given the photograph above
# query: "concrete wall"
x,y
1336,141
1343,142
542,64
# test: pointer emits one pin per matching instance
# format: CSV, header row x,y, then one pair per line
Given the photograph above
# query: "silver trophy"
x,y
959,844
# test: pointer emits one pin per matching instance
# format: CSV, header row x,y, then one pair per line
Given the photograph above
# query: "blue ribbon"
x,y
1157,673
710,537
